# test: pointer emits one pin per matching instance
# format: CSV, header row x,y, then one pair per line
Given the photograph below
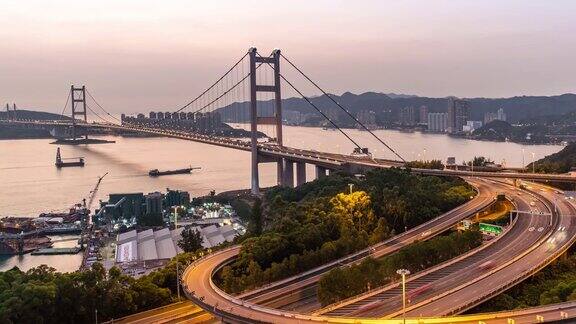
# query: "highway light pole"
x,y
403,273
533,163
177,272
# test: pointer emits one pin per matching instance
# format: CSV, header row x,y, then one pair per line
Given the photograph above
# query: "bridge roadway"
x,y
298,293
330,161
529,231
218,302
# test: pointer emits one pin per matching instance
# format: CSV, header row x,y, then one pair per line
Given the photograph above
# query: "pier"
x,y
56,251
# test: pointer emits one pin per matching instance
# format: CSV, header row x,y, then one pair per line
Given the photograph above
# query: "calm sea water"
x,y
30,184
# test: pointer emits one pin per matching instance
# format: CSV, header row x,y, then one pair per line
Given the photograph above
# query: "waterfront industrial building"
x,y
150,245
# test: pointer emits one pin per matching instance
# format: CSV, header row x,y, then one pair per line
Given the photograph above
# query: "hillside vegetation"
x,y
322,221
560,162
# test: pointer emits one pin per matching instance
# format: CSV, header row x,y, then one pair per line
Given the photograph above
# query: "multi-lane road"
x,y
462,283
535,239
299,292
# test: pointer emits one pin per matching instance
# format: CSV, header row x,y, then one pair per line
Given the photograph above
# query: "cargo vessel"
x,y
157,173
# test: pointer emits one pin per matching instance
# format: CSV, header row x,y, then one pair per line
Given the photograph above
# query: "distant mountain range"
x,y
31,114
387,106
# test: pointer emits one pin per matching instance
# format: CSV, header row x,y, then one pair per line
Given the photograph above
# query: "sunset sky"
x,y
143,55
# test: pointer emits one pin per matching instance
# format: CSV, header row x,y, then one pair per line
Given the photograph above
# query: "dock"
x,y
56,251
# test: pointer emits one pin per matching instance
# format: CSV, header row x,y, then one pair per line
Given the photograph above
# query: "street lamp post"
x,y
533,163
351,185
403,273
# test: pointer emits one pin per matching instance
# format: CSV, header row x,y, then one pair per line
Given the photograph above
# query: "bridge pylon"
x,y
78,100
255,120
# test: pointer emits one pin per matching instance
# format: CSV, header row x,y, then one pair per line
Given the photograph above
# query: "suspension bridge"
x,y
249,92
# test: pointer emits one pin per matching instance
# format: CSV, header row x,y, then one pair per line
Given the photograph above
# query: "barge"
x,y
157,173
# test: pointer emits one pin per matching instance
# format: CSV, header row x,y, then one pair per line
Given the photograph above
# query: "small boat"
x,y
60,163
157,173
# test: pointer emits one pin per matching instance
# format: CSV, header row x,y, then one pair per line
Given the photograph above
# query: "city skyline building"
x,y
407,116
437,122
458,114
423,114
491,116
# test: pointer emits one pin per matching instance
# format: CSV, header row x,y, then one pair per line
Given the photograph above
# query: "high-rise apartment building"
x,y
458,114
437,122
408,116
367,117
491,116
423,115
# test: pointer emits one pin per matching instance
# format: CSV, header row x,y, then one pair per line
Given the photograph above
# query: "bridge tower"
x,y
255,120
78,100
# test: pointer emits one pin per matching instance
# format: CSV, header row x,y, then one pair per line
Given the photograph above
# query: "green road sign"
x,y
491,229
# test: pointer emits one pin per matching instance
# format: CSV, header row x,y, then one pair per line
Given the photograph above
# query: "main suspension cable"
x,y
226,92
212,86
100,106
341,107
315,107
66,104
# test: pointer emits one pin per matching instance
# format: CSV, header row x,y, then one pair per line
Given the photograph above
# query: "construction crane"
x,y
92,195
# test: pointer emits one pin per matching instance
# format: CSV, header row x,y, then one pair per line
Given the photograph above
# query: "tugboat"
x,y
60,163
157,173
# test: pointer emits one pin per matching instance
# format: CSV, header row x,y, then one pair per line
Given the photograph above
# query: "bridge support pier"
x,y
280,173
300,173
320,172
288,173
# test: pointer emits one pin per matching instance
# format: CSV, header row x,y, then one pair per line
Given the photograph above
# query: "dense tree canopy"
x,y
432,164
42,295
321,221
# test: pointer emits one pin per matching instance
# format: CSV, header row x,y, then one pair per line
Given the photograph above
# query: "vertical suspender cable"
x,y
345,110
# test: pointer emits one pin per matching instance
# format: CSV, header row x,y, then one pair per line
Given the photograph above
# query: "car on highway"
x,y
486,265
366,307
418,291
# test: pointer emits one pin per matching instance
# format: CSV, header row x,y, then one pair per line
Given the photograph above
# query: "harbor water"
x,y
30,183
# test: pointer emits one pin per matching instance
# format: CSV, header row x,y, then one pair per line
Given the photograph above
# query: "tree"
x,y
255,224
479,161
191,240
